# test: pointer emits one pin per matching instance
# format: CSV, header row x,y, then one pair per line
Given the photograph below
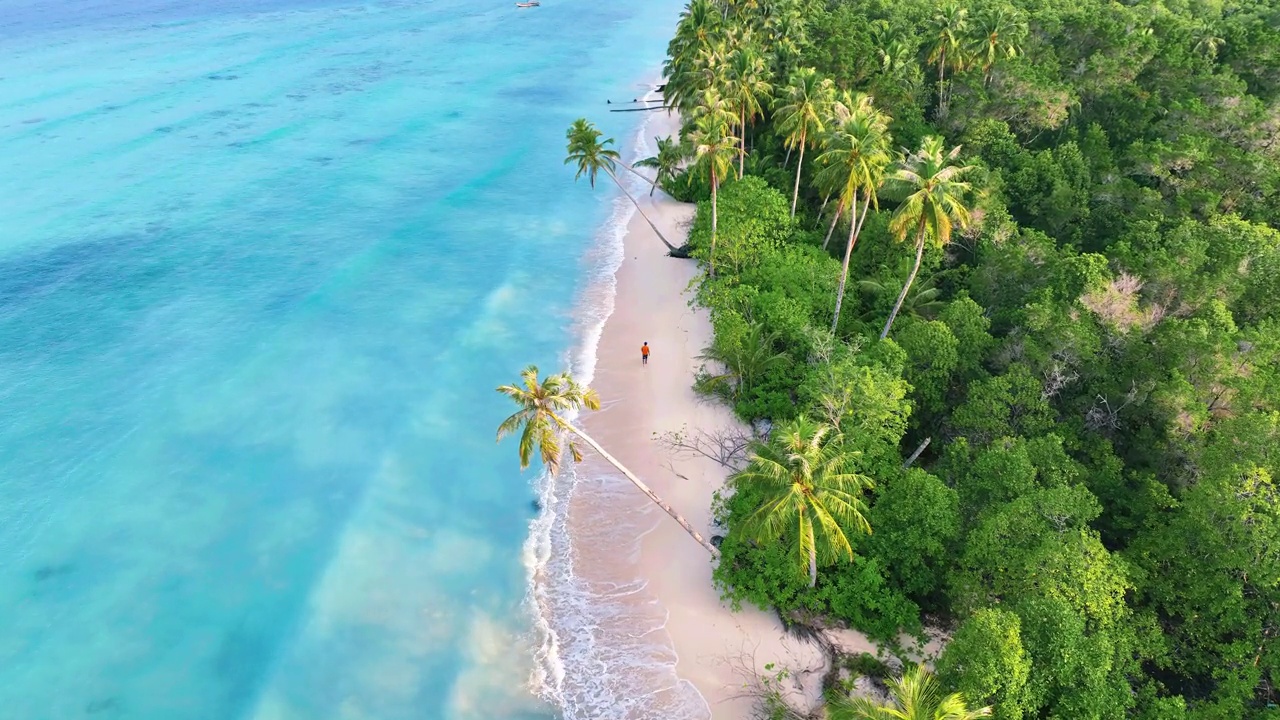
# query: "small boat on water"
x,y
534,3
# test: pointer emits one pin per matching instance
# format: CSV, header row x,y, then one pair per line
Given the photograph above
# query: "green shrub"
x,y
752,218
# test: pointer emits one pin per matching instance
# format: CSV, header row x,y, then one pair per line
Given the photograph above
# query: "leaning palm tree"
x,y
808,98
914,696
666,163
746,87
713,147
591,155
858,155
541,424
949,25
935,205
811,493
996,36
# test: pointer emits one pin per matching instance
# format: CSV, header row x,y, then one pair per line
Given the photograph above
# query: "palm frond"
x,y
539,418
809,493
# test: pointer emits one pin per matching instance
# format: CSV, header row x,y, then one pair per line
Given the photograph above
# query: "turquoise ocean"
x,y
262,263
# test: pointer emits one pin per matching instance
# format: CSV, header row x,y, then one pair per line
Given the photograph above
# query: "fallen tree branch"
x,y
727,446
916,454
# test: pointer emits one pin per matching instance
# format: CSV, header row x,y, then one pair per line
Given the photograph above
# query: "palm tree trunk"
x,y
651,180
787,159
942,99
834,220
641,211
795,194
711,260
910,279
813,564
848,251
742,142
715,553
825,199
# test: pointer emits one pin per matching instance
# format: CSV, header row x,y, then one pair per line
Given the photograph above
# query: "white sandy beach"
x,y
717,649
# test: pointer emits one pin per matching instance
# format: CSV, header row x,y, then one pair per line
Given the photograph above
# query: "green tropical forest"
x,y
1002,280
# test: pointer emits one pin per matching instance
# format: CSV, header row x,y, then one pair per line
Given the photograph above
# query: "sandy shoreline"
x,y
631,554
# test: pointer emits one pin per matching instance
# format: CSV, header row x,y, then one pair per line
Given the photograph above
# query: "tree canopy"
x,y
1065,380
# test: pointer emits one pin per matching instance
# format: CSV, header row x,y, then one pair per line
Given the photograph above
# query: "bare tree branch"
x,y
726,446
1104,417
775,693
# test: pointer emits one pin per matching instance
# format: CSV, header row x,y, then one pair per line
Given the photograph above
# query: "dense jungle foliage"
x,y
1091,344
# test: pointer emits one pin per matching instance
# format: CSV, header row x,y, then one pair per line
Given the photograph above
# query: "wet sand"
x,y
629,552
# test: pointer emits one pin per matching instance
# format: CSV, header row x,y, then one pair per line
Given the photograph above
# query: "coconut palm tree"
x,y
808,99
811,493
996,36
914,696
835,218
666,163
785,34
746,87
858,155
948,26
540,422
1207,42
892,51
706,70
825,180
922,302
591,155
699,31
935,205
713,148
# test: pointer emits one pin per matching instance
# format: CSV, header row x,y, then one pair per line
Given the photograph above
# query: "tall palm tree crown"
x,y
807,101
713,148
747,86
785,33
855,161
949,26
934,206
812,494
996,36
914,696
1207,42
694,53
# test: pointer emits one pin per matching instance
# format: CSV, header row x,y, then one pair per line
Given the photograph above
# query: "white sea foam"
x,y
582,667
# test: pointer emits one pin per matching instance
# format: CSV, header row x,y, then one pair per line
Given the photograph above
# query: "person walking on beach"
x,y
644,353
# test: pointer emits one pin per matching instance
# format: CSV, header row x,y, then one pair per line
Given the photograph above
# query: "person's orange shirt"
x,y
644,349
